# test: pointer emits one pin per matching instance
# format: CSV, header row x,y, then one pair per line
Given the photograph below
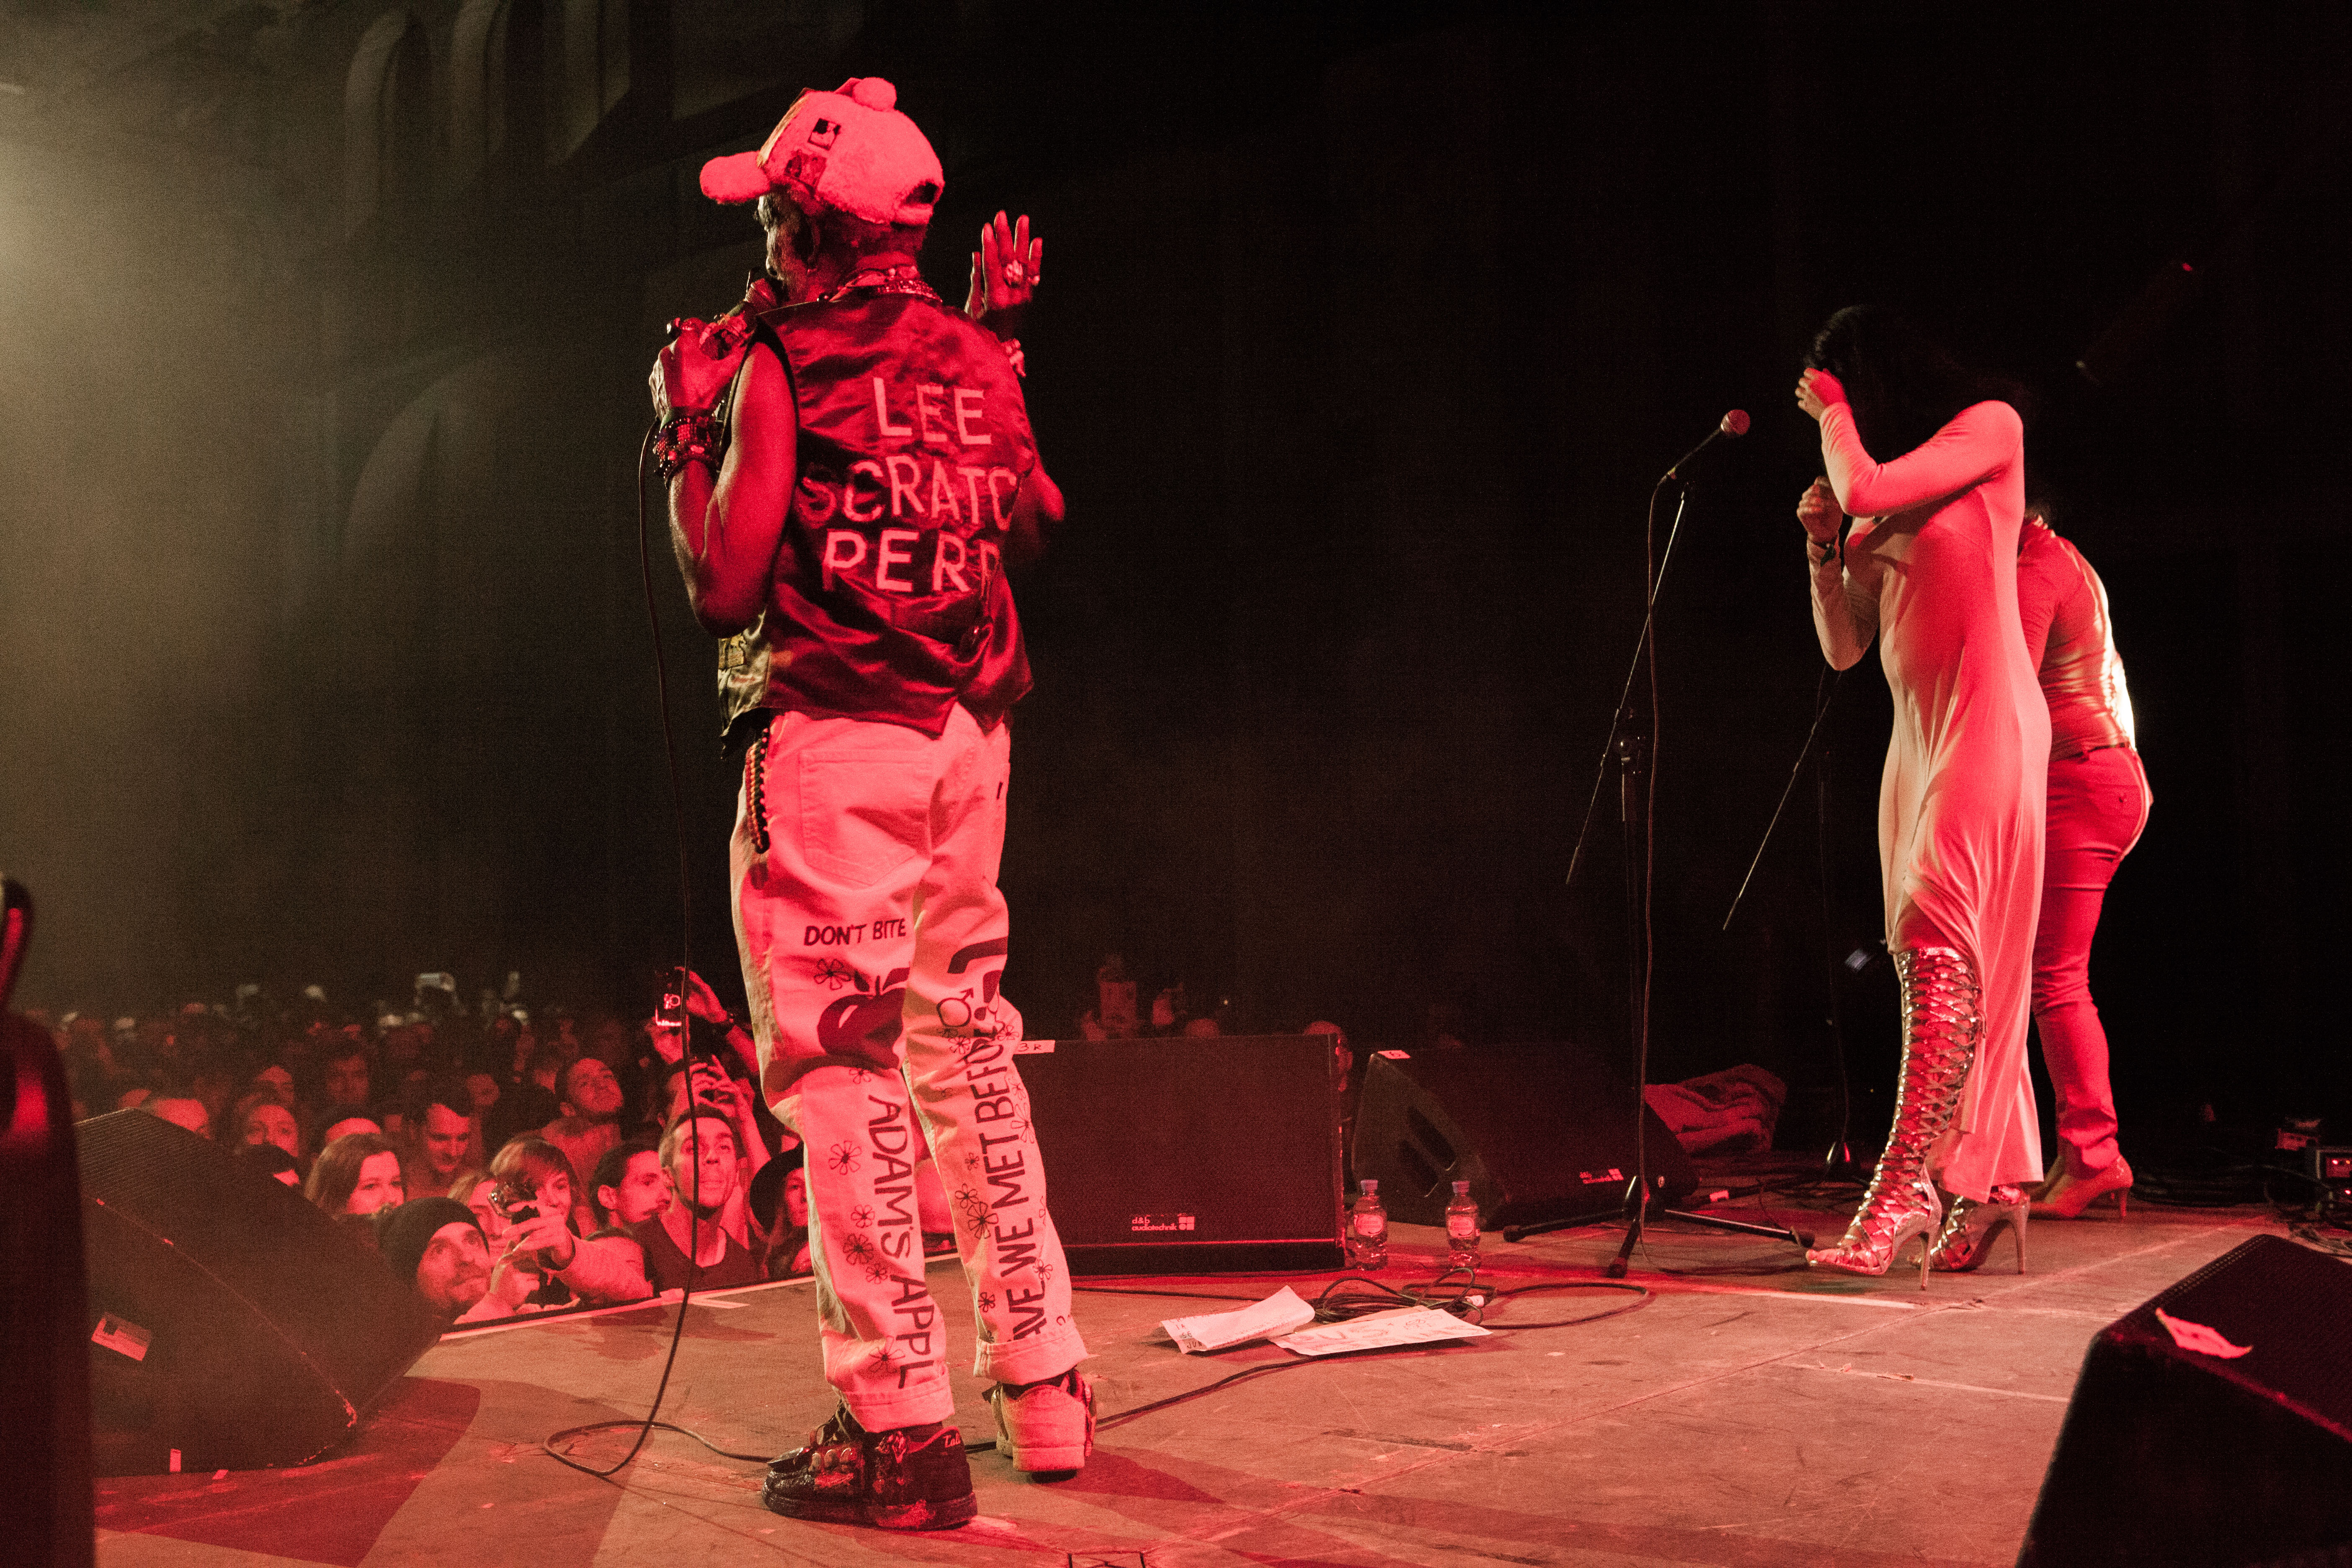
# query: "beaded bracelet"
x,y
689,436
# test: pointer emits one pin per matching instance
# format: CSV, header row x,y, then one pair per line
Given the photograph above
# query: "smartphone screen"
x,y
672,1014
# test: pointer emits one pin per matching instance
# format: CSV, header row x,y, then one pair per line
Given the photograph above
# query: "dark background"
x,y
1366,331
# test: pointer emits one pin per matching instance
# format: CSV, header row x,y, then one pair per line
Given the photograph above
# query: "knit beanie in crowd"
x,y
402,1233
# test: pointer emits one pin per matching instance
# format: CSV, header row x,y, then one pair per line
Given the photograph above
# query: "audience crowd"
x,y
501,1163
504,1163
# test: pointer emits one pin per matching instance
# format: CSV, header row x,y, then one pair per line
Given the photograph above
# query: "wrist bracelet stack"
x,y
1829,550
690,435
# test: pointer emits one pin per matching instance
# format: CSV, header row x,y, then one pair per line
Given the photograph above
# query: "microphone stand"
x,y
1630,750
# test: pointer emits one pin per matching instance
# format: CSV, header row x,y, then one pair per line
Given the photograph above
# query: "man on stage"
x,y
850,469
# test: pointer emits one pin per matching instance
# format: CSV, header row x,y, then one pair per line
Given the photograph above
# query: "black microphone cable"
x,y
685,950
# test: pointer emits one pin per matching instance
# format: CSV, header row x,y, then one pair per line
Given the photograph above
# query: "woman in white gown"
x,y
1929,459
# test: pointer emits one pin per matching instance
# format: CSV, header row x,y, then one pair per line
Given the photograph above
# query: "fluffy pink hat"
x,y
848,151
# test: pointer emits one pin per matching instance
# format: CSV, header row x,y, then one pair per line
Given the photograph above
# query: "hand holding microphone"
x,y
697,364
1819,511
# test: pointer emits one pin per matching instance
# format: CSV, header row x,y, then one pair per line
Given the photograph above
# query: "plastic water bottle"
x,y
1367,1228
1462,1229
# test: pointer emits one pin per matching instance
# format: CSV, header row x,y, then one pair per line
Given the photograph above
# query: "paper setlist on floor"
x,y
1403,1326
1278,1314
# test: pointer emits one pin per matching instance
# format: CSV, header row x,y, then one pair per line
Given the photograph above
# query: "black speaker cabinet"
x,y
1541,1133
46,1511
1189,1155
2173,1457
231,1324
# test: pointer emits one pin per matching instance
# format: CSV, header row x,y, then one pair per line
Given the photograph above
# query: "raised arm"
x,y
725,530
1978,440
728,470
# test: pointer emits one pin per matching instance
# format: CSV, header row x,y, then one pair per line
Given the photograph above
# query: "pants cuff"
x,y
1031,1359
901,1410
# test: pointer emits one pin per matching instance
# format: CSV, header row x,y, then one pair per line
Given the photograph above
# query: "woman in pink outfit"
x,y
2099,802
1929,459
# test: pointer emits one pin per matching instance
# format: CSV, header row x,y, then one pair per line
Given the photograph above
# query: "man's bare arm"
x,y
725,530
1036,512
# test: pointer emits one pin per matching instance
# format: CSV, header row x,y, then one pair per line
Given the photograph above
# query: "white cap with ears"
x,y
849,151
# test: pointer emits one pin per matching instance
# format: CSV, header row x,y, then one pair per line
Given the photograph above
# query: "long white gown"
x,y
1931,566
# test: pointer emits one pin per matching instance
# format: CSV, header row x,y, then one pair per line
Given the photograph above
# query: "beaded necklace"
x,y
904,280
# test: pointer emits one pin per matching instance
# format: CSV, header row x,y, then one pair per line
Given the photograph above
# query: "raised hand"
x,y
1816,390
701,1001
1004,272
548,1240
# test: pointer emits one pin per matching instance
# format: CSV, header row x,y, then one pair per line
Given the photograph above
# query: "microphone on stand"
x,y
1732,423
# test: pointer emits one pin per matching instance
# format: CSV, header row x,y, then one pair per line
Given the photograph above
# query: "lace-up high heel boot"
x,y
1941,1022
1970,1230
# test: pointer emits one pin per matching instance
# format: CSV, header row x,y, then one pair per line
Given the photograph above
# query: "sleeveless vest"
x,y
889,600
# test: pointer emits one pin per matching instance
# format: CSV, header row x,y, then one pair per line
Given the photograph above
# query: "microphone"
x,y
1732,423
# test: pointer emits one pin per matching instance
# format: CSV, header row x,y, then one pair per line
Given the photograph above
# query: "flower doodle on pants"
x,y
833,973
862,1216
857,1249
974,1208
843,1157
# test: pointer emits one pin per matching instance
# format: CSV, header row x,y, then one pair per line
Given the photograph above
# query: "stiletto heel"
x,y
1970,1228
1940,1026
2069,1192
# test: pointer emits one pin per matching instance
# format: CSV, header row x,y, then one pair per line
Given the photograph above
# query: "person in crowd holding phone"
x,y
531,1225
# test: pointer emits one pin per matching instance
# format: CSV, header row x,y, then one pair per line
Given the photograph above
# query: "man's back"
x,y
888,599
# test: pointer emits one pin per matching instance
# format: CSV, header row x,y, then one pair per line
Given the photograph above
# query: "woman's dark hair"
x,y
1903,386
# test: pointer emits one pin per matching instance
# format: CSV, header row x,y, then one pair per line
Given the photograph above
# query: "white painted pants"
x,y
873,938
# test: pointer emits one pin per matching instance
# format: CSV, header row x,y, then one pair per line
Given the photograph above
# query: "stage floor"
x,y
1749,1411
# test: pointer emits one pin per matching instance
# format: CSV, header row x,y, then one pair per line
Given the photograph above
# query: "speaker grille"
x,y
1190,1154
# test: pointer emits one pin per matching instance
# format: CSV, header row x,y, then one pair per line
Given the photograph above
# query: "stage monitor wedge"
x,y
45,1516
1187,1154
231,1324
2175,1456
1541,1132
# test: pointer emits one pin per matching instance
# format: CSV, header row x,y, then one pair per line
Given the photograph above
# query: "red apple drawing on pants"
x,y
866,1024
